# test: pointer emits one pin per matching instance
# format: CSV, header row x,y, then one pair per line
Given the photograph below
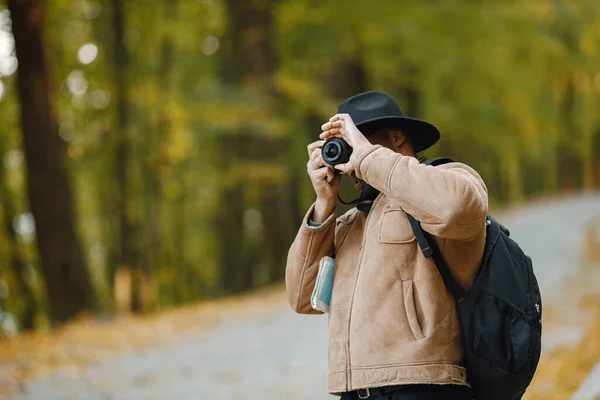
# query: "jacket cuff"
x,y
308,224
313,224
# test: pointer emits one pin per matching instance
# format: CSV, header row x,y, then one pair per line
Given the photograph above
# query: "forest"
x,y
153,152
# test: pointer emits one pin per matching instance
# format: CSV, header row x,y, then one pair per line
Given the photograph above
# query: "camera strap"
x,y
368,194
349,203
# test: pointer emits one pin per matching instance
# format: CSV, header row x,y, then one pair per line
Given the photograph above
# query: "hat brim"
x,y
422,134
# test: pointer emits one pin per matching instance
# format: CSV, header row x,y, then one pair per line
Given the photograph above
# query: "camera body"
x,y
336,151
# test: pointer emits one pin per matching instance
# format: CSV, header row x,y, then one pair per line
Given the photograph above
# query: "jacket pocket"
x,y
395,227
411,312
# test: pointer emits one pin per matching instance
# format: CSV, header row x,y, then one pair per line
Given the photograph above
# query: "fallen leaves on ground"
x,y
89,339
563,369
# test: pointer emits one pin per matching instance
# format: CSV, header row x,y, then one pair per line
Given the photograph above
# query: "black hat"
x,y
374,110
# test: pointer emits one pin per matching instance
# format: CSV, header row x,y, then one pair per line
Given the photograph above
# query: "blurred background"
x,y
152,156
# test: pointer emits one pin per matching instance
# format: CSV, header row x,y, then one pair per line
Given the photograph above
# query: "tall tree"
x,y
347,78
125,257
158,160
68,285
248,61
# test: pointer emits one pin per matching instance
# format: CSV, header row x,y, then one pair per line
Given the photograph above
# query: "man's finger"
x,y
326,126
329,134
315,153
330,174
335,124
342,116
310,164
319,174
316,162
314,145
344,168
335,131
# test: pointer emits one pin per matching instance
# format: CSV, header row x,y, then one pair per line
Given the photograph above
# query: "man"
x,y
393,328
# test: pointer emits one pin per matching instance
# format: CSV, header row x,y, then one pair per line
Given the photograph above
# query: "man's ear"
x,y
397,138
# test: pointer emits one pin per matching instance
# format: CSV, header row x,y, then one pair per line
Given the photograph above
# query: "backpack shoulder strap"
x,y
429,246
437,161
430,249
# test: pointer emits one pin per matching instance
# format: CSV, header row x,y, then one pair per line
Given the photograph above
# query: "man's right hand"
x,y
324,180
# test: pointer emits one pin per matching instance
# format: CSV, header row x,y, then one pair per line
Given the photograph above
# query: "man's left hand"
x,y
342,126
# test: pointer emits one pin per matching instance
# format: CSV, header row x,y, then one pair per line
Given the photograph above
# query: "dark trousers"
x,y
421,392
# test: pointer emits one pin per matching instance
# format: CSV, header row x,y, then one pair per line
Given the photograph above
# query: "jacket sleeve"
x,y
449,200
311,244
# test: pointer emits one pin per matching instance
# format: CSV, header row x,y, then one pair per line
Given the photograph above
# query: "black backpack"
x,y
500,315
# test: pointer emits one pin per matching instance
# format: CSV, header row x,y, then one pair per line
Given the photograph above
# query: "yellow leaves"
x,y
582,81
559,86
588,45
180,145
252,172
264,172
562,370
597,82
300,89
543,10
292,14
529,127
85,340
294,87
232,115
143,92
307,93
173,189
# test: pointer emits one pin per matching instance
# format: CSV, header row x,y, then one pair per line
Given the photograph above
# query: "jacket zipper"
x,y
362,248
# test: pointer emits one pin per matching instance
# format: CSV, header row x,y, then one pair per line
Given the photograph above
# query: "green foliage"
x,y
513,88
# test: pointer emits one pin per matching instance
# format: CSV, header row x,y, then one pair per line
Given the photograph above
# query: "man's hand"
x,y
324,180
342,126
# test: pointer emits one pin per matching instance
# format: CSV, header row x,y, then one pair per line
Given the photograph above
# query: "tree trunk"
x,y
105,182
348,79
179,231
68,286
230,227
568,159
158,163
16,257
247,61
596,150
125,246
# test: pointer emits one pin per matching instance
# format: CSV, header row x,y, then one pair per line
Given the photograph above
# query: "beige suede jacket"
x,y
391,319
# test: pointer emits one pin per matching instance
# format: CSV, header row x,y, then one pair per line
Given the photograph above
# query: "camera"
x,y
336,151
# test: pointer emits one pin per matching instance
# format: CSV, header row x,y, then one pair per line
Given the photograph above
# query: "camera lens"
x,y
332,151
336,151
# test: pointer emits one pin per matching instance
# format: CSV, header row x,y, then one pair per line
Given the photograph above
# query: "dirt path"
x,y
280,355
